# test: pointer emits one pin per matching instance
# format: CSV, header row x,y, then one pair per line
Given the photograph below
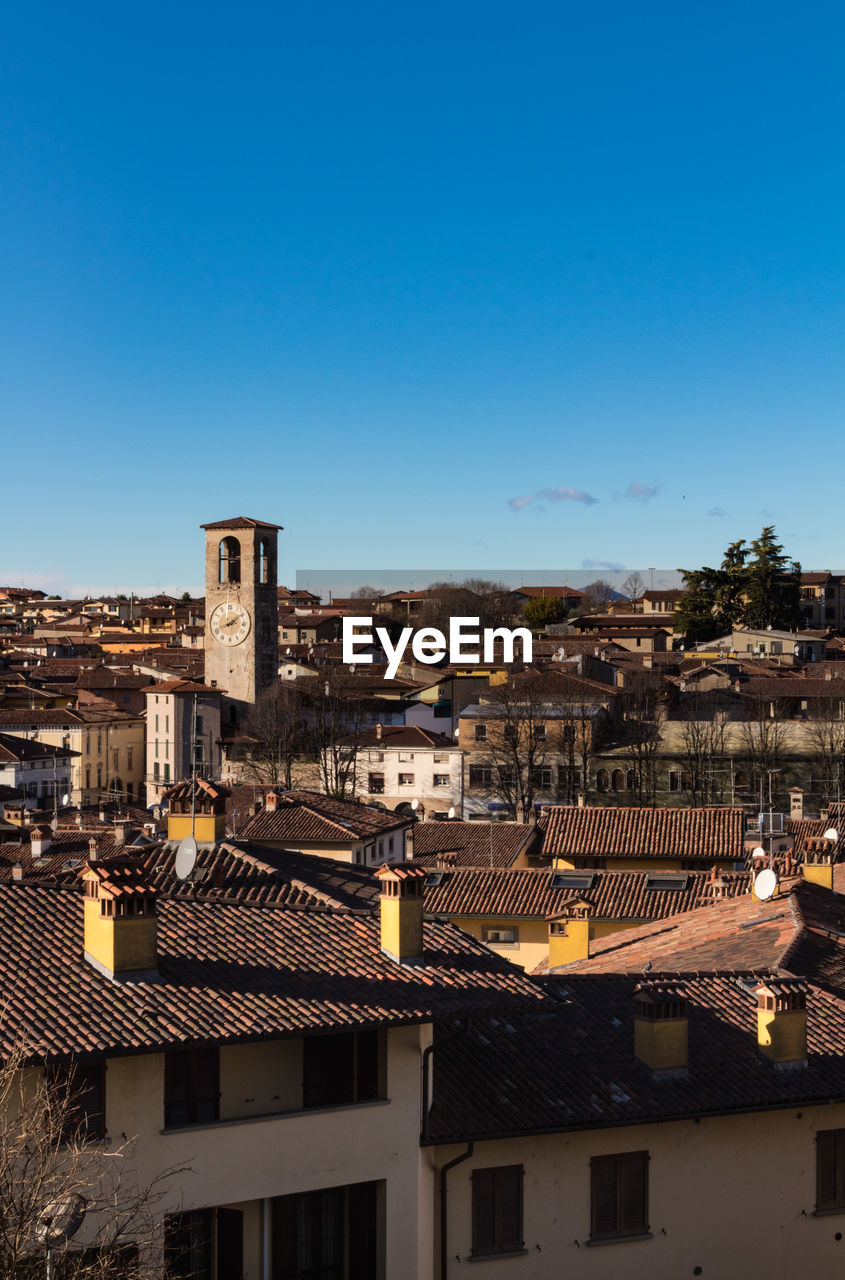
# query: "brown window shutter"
x,y
484,1211
633,1193
510,1208
830,1168
604,1220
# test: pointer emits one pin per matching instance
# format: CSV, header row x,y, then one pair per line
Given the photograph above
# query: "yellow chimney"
x,y
202,814
569,934
120,922
661,1028
818,862
782,1022
401,911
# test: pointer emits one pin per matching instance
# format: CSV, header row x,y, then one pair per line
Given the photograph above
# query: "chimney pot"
x,y
271,800
17,871
661,1028
782,1022
401,912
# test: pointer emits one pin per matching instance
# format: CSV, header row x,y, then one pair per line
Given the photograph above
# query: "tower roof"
x,y
241,522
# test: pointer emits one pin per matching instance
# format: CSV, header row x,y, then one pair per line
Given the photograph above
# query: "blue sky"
x,y
459,284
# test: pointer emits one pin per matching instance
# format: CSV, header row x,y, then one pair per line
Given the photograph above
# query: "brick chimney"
x,y
661,1027
119,834
270,801
40,840
120,922
569,934
796,802
93,848
401,911
782,1022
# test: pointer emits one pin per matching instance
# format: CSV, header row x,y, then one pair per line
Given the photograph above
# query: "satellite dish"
x,y
54,825
415,804
759,852
60,1220
65,799
186,858
765,884
831,834
452,812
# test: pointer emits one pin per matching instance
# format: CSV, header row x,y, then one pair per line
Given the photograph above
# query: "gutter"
x,y
444,1210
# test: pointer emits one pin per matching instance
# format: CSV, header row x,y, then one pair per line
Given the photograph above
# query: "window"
x,y
341,1069
539,733
191,1086
480,776
155,774
405,757
656,880
167,773
480,732
830,1170
497,1210
572,880
602,780
375,784
264,561
440,757
187,1245
129,757
619,1200
501,935
330,1234
542,778
83,1083
230,560
406,779
567,733
441,779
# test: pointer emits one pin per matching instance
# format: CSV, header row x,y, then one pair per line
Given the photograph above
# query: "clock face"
x,y
230,623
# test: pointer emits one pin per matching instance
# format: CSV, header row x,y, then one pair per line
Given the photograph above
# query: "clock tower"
x,y
241,611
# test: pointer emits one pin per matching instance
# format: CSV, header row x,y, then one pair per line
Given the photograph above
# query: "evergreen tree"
x,y
773,585
756,586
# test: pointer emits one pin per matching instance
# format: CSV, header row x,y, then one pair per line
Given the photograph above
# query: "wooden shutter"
x,y
604,1216
830,1169
633,1193
497,1209
206,1082
509,1208
484,1211
176,1076
366,1066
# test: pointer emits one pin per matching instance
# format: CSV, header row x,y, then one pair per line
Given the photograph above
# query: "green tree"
x,y
756,586
545,609
773,585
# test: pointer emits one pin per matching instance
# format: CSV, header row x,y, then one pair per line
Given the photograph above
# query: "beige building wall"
x,y
734,1196
246,1157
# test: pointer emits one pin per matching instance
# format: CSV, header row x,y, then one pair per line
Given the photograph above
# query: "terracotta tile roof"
x,y
406,736
593,831
800,931
309,816
181,686
229,972
574,1068
467,844
15,750
241,522
542,893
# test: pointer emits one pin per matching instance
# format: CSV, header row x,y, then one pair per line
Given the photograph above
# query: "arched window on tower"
x,y
230,560
264,560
